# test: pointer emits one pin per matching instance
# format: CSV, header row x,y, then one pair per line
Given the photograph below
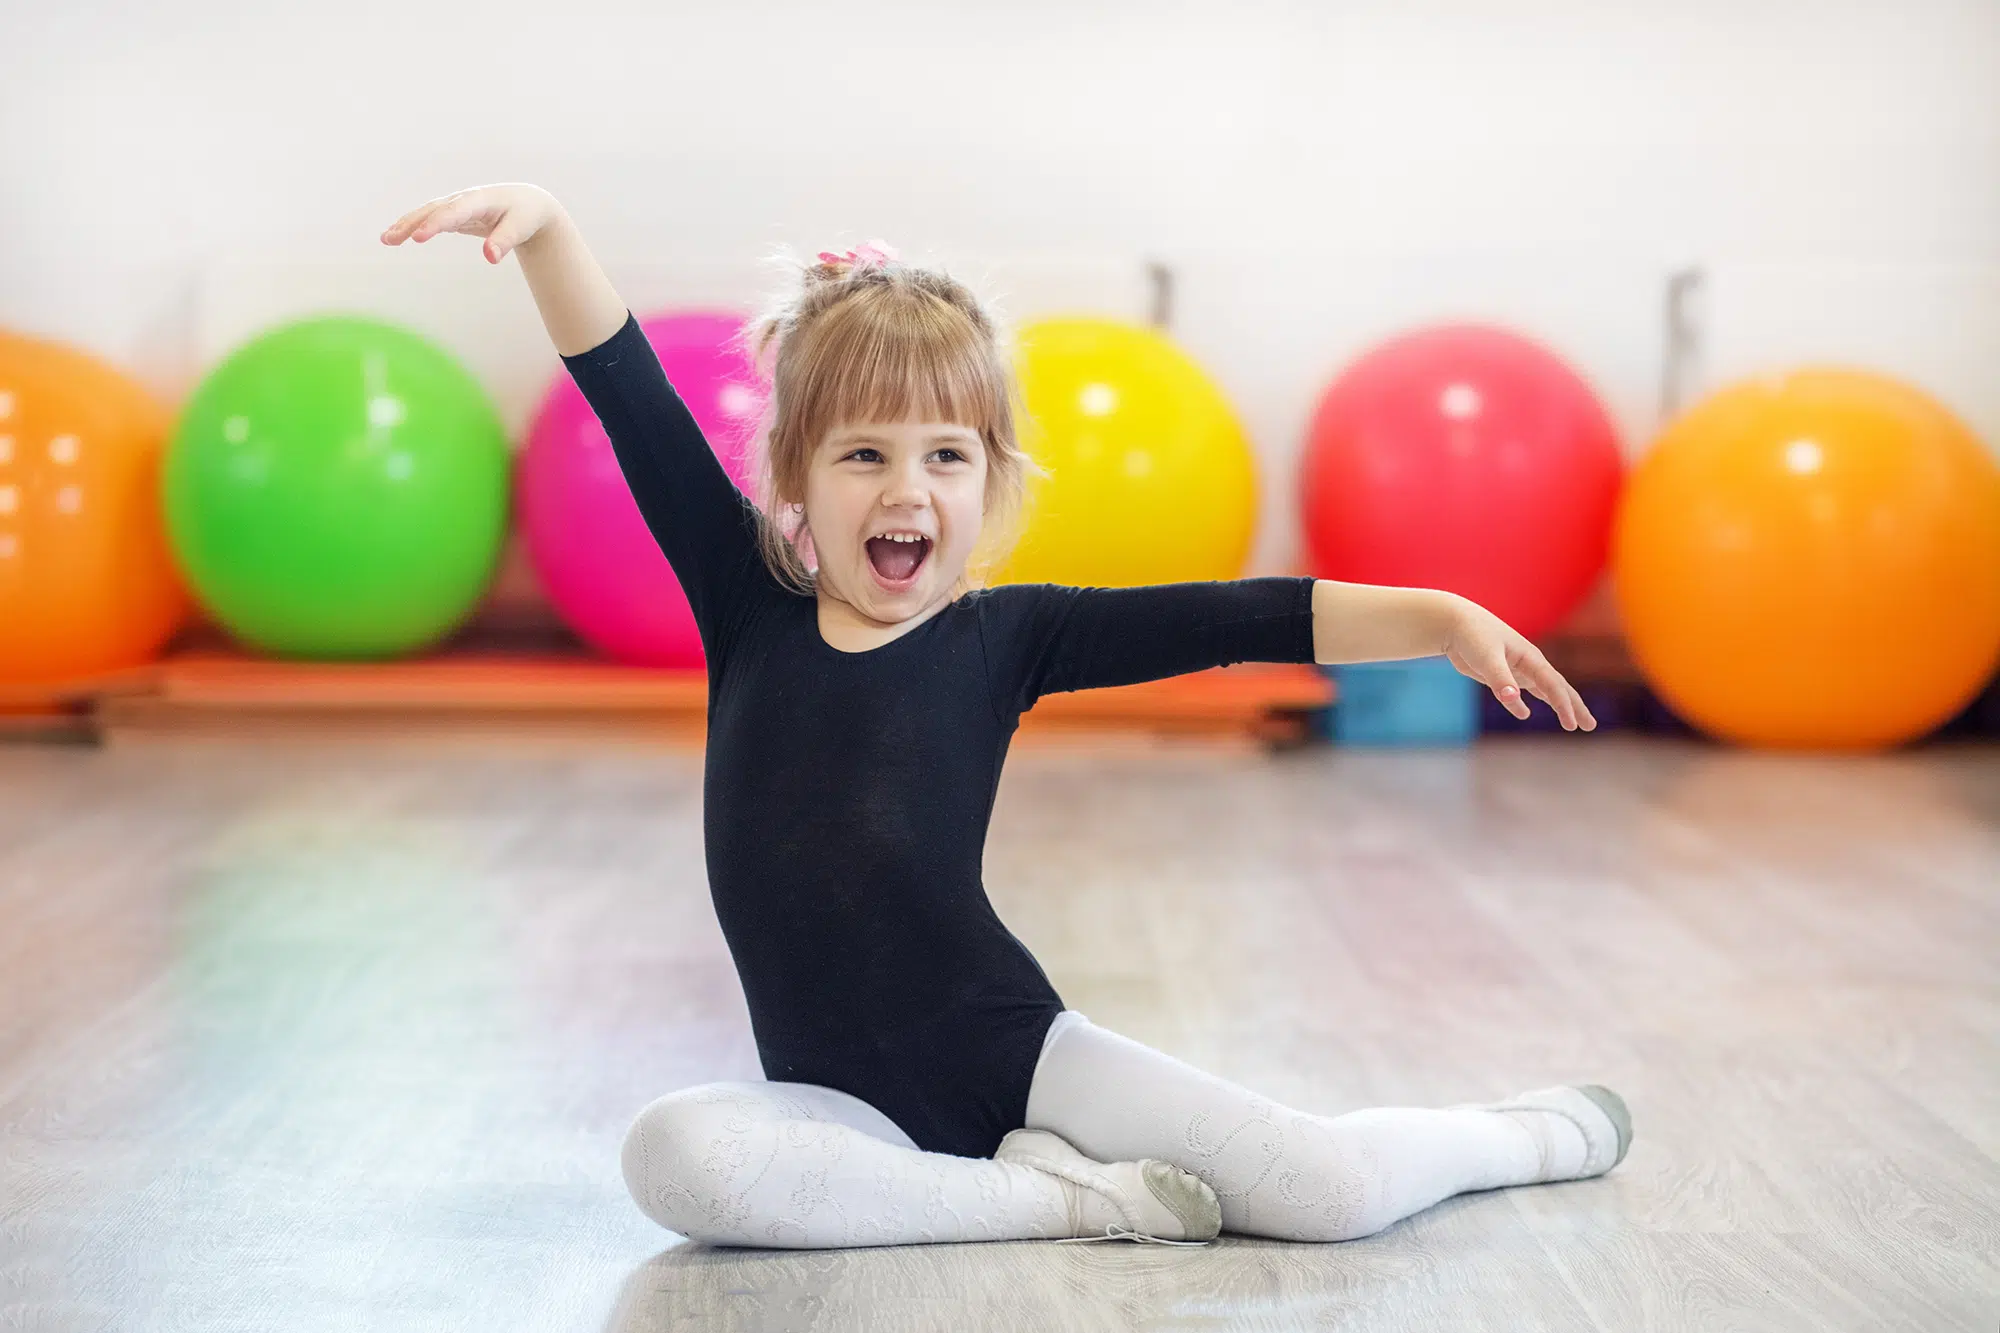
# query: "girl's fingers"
x,y
1577,717
452,213
400,229
408,228
1501,681
1494,665
1583,717
446,218
1558,704
1564,702
1552,690
501,239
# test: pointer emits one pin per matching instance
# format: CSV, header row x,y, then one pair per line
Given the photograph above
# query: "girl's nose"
x,y
906,493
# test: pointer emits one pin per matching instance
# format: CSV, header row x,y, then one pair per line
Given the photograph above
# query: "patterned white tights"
x,y
790,1165
794,1166
1279,1172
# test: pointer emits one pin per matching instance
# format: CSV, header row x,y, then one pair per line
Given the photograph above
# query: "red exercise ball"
x,y
1465,458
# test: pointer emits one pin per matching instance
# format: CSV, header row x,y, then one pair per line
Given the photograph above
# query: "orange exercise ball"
x,y
1813,559
86,580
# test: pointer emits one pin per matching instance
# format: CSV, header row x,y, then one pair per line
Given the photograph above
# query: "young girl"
x,y
926,1082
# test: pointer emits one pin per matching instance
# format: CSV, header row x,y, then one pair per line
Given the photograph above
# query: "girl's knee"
x,y
1336,1228
1319,1198
680,1157
1313,1225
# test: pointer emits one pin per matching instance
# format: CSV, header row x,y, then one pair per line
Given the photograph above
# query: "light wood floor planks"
x,y
320,1036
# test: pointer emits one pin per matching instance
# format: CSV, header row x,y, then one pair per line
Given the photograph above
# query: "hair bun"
x,y
867,255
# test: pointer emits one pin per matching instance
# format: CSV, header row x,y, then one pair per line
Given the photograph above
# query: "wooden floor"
x,y
333,1036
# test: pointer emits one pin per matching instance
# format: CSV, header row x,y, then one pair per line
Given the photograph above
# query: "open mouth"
x,y
896,562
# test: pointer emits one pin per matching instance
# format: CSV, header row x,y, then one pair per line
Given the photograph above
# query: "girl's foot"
x,y
1579,1132
1147,1200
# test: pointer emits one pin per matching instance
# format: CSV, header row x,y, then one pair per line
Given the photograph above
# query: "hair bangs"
x,y
923,362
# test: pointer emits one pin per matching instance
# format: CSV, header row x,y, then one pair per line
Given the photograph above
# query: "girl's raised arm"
x,y
579,307
704,525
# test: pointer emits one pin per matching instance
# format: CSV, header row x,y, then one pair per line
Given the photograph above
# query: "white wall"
x,y
1316,173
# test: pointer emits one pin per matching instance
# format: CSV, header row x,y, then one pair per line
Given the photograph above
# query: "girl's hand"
x,y
508,216
1483,647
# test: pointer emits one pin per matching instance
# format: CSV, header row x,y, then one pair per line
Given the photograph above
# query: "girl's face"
x,y
922,479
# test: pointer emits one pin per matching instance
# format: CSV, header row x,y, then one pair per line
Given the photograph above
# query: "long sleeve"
x,y
1046,638
704,525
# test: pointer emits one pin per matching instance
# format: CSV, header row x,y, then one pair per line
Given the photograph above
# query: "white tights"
x,y
794,1166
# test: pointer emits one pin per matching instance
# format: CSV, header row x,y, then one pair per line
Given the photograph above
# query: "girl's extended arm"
x,y
1361,622
1045,638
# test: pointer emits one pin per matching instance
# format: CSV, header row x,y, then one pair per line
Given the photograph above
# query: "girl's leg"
x,y
1294,1176
794,1166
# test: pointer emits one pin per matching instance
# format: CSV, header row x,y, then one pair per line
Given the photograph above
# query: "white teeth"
x,y
900,537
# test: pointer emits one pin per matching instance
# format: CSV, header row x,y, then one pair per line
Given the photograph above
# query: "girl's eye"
x,y
950,455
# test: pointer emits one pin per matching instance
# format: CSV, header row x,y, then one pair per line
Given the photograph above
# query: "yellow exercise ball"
x,y
1151,478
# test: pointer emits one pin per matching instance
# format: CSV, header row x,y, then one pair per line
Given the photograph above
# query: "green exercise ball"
x,y
337,488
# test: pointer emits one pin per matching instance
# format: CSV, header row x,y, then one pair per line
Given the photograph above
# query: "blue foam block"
x,y
1424,701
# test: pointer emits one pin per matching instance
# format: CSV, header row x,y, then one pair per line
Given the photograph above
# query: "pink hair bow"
x,y
871,254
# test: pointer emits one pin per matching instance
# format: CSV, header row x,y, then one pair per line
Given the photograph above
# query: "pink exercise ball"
x,y
590,548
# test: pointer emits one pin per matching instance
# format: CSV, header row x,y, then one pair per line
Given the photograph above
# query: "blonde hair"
x,y
859,343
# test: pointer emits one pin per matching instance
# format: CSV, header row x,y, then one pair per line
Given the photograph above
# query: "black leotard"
x,y
846,795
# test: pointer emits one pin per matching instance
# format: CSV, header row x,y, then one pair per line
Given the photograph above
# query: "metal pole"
x,y
1161,277
1683,348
